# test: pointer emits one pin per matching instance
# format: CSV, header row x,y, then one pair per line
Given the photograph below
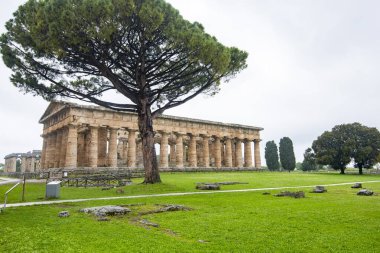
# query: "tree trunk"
x,y
342,171
145,122
360,169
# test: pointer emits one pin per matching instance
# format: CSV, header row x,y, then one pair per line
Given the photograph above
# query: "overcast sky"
x,y
312,64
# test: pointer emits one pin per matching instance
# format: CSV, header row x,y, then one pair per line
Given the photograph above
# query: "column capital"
x,y
257,140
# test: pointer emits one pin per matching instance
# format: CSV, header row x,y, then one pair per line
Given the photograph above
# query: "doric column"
x,y
218,152
247,153
58,144
81,150
257,153
23,163
172,154
179,151
43,153
102,147
238,153
93,147
51,150
139,154
193,151
120,148
71,151
112,149
233,153
164,150
131,157
125,152
228,153
62,155
206,153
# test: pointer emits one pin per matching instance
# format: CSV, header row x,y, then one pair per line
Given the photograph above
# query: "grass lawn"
x,y
336,221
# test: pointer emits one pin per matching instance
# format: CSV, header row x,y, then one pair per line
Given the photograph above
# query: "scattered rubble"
x,y
365,192
319,189
357,185
148,223
296,195
203,186
102,211
63,214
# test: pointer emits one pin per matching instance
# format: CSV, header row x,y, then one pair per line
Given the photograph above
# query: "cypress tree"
x,y
287,158
271,155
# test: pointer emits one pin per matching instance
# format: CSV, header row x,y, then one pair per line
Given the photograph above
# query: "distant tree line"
x,y
344,144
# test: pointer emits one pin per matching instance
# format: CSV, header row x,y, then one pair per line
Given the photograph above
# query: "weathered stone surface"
x,y
230,183
148,223
208,187
65,144
63,214
299,194
319,189
106,210
357,185
171,208
365,192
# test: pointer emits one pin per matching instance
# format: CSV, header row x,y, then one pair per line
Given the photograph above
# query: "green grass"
x,y
185,182
336,221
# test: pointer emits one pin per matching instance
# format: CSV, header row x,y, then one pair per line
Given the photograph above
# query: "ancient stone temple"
x,y
29,162
76,136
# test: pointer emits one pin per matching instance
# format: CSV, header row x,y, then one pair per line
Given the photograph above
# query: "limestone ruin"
x,y
79,136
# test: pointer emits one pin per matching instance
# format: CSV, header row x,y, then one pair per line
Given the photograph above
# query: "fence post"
x,y
23,187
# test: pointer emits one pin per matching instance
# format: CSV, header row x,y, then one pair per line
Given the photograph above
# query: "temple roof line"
x,y
66,104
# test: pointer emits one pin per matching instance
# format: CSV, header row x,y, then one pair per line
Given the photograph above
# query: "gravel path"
x,y
179,194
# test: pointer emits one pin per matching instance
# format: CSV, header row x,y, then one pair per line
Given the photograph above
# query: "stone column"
x,y
43,153
131,159
112,148
206,153
102,147
139,154
233,153
62,156
247,153
125,152
120,149
93,147
81,150
58,144
23,163
72,146
172,154
257,154
164,150
193,151
179,151
51,150
218,152
238,152
228,153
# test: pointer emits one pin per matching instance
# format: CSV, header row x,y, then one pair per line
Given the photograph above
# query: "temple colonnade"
x,y
89,136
